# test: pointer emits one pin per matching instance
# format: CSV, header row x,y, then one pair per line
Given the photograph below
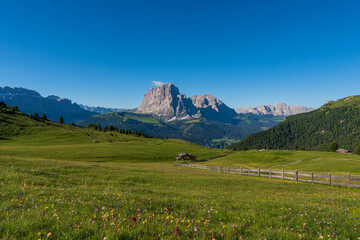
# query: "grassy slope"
x,y
294,160
80,200
49,190
29,138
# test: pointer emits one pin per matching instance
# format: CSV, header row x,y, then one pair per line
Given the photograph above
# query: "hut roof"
x,y
183,154
340,150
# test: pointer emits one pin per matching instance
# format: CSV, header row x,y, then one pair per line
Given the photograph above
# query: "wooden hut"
x,y
185,156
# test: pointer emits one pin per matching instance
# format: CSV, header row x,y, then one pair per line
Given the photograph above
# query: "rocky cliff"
x,y
166,102
279,109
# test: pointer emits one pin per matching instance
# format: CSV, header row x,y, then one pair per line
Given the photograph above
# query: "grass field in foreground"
x,y
53,199
292,160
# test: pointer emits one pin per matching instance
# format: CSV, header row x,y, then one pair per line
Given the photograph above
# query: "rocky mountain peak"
x,y
162,101
166,102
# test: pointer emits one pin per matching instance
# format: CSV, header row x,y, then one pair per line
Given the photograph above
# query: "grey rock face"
x,y
167,102
279,109
164,101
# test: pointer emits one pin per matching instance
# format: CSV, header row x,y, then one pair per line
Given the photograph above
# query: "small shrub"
x,y
357,150
244,148
333,146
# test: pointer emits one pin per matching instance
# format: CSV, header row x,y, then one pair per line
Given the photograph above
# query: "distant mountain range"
x,y
335,121
164,112
166,102
102,109
280,109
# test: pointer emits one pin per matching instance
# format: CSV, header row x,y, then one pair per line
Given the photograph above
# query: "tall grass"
x,y
44,199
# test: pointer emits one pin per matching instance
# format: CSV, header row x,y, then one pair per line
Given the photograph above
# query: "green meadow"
x,y
56,183
311,161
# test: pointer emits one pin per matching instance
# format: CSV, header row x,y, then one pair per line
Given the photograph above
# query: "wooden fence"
x,y
311,177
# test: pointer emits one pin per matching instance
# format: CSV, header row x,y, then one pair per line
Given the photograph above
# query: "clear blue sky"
x,y
246,53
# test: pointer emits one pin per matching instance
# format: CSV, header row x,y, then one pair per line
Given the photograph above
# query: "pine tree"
x,y
36,116
61,119
43,117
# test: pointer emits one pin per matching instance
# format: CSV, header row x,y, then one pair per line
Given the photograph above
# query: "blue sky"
x,y
246,53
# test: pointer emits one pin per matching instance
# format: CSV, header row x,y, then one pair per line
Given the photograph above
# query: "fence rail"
x,y
311,177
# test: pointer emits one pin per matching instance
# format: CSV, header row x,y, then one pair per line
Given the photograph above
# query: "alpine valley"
x,y
164,113
202,119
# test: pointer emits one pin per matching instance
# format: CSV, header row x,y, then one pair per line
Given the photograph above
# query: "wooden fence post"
x,y
312,177
230,170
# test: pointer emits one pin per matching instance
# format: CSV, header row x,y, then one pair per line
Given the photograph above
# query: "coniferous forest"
x,y
335,121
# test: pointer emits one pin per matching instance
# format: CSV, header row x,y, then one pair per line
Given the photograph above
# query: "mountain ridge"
x,y
30,102
279,109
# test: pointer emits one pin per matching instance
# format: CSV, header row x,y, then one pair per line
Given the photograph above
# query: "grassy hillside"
x,y
335,121
200,131
55,183
24,137
292,160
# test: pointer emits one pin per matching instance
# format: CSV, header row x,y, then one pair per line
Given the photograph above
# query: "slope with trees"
x,y
335,121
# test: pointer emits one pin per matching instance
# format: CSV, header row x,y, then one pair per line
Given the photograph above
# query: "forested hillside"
x,y
335,121
200,131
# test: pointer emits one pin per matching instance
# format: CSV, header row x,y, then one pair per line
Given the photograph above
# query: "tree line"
x,y
115,129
